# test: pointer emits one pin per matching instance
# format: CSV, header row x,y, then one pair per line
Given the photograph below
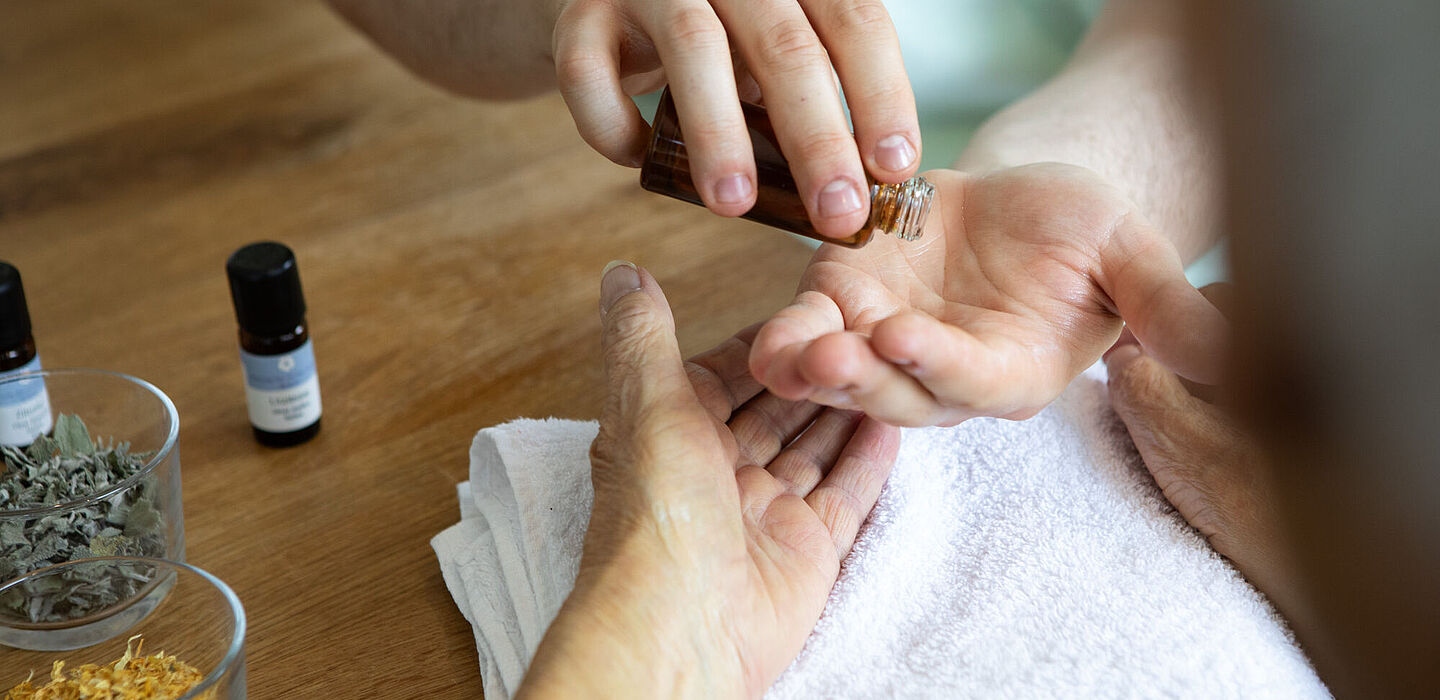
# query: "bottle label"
x,y
282,391
24,407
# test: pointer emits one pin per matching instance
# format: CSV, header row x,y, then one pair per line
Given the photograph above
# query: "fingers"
x,y
721,375
1209,469
844,363
971,376
1188,446
1172,320
866,53
767,424
847,494
587,41
801,466
774,358
695,51
784,54
1145,393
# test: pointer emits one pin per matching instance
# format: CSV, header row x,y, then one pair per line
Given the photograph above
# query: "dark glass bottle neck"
x,y
18,356
274,344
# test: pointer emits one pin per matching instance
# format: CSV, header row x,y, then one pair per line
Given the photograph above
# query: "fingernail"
x,y
618,279
894,153
839,198
733,189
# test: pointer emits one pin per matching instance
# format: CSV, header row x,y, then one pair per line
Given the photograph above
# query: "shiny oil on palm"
x,y
899,210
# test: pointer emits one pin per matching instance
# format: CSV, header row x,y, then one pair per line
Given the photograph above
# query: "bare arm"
x,y
480,48
1129,107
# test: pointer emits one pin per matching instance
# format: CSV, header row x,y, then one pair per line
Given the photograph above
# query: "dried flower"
x,y
159,676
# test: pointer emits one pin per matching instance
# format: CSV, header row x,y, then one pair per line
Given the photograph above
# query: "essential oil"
x,y
25,404
899,210
282,388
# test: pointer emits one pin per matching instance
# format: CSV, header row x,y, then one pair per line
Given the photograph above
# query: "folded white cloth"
x,y
1011,559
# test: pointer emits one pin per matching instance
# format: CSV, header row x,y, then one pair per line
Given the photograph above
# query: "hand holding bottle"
x,y
714,54
1018,284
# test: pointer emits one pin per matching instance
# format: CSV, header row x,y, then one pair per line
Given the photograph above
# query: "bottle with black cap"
x,y
24,405
282,388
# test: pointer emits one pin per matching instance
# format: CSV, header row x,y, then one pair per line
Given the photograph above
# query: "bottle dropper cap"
x,y
265,287
14,314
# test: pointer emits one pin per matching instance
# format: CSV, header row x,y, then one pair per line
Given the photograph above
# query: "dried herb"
x,y
63,467
159,676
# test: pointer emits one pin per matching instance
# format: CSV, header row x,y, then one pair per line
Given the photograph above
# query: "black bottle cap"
x,y
265,287
14,314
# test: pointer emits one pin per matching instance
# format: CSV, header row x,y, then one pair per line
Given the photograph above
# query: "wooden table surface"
x,y
450,252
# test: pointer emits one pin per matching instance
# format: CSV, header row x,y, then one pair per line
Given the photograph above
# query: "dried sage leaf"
x,y
65,466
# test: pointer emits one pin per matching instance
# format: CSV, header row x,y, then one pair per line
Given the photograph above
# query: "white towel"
x,y
1009,559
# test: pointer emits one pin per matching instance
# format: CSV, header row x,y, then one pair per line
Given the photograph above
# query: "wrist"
x,y
624,633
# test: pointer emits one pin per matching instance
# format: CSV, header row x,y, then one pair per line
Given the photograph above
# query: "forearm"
x,y
1129,107
480,48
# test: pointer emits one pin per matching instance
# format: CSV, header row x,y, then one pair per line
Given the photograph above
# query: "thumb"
x,y
643,367
1174,322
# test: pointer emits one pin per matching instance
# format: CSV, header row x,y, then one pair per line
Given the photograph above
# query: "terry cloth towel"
x,y
1004,559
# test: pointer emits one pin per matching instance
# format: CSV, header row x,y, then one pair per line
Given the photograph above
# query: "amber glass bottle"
x,y
899,210
282,389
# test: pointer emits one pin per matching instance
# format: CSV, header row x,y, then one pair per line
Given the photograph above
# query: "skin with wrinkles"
x,y
720,509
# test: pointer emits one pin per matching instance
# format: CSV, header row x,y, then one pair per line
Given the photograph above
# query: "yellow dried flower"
x,y
133,677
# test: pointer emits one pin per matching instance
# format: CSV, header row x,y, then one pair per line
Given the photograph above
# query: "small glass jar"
x,y
138,516
176,608
899,210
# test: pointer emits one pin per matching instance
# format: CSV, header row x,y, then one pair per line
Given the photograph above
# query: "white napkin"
x,y
1032,558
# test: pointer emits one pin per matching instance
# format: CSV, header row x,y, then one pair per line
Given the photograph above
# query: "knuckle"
x,y
577,64
889,101
718,134
630,317
862,16
610,139
824,147
790,45
695,26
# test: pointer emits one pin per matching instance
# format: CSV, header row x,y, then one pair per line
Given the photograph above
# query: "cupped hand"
x,y
1018,284
720,518
713,53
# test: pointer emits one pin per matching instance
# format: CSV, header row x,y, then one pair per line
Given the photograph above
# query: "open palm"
x,y
1020,282
721,512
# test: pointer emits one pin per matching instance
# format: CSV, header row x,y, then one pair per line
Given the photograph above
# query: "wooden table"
x,y
450,252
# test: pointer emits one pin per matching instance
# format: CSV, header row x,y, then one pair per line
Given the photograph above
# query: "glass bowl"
x,y
176,608
138,516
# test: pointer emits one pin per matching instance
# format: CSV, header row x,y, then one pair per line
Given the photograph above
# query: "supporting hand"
x,y
1215,475
721,516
